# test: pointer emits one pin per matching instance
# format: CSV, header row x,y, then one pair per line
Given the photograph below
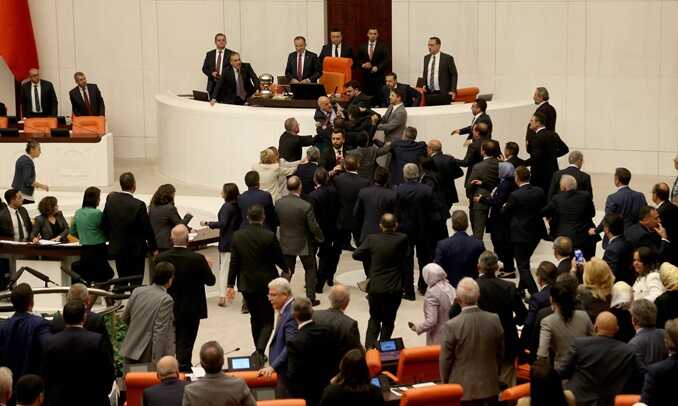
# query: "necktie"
x,y
87,105
20,226
36,96
432,73
336,51
217,68
241,87
299,68
371,50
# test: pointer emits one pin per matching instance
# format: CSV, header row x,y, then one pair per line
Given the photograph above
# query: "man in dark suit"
x,y
236,83
668,215
255,252
448,171
332,158
625,201
571,215
405,150
86,99
191,274
541,99
483,179
325,116
660,378
576,160
618,252
414,206
255,196
216,61
479,111
348,185
306,171
24,178
527,226
649,341
67,382
473,155
412,96
562,252
325,204
336,48
373,201
598,368
458,254
373,58
15,224
290,142
125,222
302,65
546,277
440,75
38,98
354,90
368,154
170,390
648,232
386,253
340,325
544,147
511,151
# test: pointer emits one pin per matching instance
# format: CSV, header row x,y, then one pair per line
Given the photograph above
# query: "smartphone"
x,y
579,257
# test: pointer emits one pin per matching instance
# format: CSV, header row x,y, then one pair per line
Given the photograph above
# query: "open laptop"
x,y
307,91
200,95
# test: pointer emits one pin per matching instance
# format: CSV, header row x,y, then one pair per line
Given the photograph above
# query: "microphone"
x,y
40,276
236,349
14,278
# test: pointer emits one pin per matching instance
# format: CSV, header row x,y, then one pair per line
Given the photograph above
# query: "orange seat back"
x,y
333,82
419,364
39,125
439,395
626,400
253,380
136,382
282,402
338,65
87,126
515,392
467,94
373,359
522,372
4,122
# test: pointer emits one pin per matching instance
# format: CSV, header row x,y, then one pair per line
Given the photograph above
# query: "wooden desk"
x,y
205,236
46,138
291,103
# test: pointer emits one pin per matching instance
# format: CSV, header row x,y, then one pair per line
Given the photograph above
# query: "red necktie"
x,y
300,73
217,68
87,105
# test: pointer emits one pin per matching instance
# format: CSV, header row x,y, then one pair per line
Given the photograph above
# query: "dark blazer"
x,y
367,158
626,202
516,161
380,58
660,381
564,266
544,147
290,145
482,118
252,196
66,381
412,96
583,180
325,204
571,216
497,222
639,236
328,158
125,221
255,252
386,253
472,157
96,101
346,52
169,392
667,307
163,218
441,212
549,113
362,100
22,341
373,201
524,207
208,66
668,214
286,328
93,322
305,172
342,327
191,274
312,68
226,89
619,256
487,172
228,220
48,99
447,73
458,256
404,152
43,228
3,110
448,171
24,175
538,301
649,346
414,205
348,186
6,221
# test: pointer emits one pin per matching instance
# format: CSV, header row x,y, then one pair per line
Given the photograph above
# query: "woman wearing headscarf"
x,y
667,302
437,303
622,297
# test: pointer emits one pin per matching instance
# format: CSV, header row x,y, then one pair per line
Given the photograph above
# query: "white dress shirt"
x,y
35,104
336,51
435,86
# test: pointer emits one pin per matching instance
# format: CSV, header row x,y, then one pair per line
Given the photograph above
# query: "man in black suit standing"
x,y
342,326
325,204
668,215
440,75
290,142
412,96
660,378
618,252
544,147
306,171
473,155
576,161
38,98
458,254
405,149
448,171
86,99
253,195
562,251
302,65
387,254
479,111
130,236
354,90
236,83
170,390
541,99
191,274
332,158
373,58
255,252
511,151
336,48
67,382
524,206
625,201
483,179
373,201
216,61
348,185
649,232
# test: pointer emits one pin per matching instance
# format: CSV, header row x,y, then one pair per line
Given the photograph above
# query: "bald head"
x,y
606,325
388,222
339,297
180,235
435,146
324,103
167,367
294,184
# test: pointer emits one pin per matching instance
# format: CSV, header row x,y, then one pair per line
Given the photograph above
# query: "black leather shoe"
x,y
244,309
315,302
409,296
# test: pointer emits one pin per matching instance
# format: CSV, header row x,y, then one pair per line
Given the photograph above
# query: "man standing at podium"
x,y
336,48
38,98
86,98
215,61
237,82
440,75
373,59
302,65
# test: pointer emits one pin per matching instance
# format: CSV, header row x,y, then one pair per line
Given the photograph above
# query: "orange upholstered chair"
x,y
522,372
373,358
467,94
418,364
515,392
4,122
439,395
338,65
253,379
136,382
282,402
333,81
626,400
39,124
88,125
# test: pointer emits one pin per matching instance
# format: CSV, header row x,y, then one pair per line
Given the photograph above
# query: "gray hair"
x,y
567,183
77,291
563,246
468,291
5,384
313,154
488,262
302,309
339,297
644,313
410,171
289,123
543,93
281,285
167,366
575,157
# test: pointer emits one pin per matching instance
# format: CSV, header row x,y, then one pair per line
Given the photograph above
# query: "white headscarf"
x,y
435,275
622,295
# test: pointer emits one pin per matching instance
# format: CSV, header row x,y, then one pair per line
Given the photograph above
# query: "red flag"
x,y
17,42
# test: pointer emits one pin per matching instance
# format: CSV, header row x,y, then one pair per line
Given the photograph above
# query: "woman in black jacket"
x,y
352,385
50,224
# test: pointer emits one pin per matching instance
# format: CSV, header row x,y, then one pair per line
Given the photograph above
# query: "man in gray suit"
x,y
150,316
216,388
393,122
473,348
649,341
299,234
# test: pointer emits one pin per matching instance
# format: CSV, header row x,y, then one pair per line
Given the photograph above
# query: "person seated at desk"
x,y
302,65
50,224
86,98
412,96
236,84
38,98
15,224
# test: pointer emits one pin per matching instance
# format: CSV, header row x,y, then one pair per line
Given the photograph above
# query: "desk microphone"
x,y
40,276
232,351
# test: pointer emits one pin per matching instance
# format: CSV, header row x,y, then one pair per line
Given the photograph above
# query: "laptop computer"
x,y
200,95
307,91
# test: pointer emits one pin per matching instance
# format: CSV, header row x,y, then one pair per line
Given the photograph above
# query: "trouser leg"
x,y
374,324
310,275
391,303
186,333
523,252
261,319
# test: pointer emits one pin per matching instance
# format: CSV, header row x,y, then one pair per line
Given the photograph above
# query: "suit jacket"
x,y
150,318
24,175
404,152
312,68
537,301
412,96
448,171
472,353
22,341
441,212
599,368
472,157
226,88
191,274
325,204
571,216
66,381
625,202
3,110
619,256
549,113
305,172
583,180
344,328
373,201
367,158
414,205
516,161
228,221
48,100
169,392
348,186
482,118
649,345
7,220
386,254
126,224
393,123
447,73
486,171
290,145
286,329
544,147
524,207
209,66
252,196
255,252
564,265
299,230
458,256
163,218
346,52
380,58
497,222
362,100
218,390
328,158
96,101
668,214
639,236
324,125
660,381
43,227
93,322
